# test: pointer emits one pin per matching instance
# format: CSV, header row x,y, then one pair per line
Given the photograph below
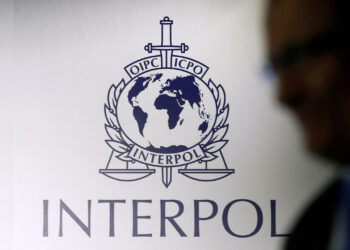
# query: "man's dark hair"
x,y
343,12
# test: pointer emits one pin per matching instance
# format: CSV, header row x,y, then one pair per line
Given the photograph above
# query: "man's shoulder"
x,y
313,229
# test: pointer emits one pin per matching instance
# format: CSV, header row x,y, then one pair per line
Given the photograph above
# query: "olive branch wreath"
x,y
121,144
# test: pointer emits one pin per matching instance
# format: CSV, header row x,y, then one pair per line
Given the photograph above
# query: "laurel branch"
x,y
121,144
214,142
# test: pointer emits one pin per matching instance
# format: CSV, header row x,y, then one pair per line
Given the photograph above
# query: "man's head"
x,y
309,50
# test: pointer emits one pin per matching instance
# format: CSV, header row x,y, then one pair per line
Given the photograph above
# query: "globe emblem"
x,y
166,117
166,110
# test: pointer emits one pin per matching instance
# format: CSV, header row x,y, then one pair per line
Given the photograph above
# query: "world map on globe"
x,y
181,98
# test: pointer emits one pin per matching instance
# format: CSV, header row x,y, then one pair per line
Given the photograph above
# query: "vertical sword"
x,y
166,50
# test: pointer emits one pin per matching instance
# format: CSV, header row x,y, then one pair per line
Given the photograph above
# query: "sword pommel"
x,y
166,20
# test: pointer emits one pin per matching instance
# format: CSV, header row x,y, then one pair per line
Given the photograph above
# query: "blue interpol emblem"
x,y
166,116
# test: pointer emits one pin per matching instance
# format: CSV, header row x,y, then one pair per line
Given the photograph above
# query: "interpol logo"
x,y
166,116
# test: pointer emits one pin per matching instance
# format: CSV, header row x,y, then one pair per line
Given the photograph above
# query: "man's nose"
x,y
290,90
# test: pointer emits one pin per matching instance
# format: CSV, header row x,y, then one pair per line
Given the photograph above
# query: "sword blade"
x,y
167,175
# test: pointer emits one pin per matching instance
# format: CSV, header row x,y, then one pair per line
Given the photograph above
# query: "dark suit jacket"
x,y
313,230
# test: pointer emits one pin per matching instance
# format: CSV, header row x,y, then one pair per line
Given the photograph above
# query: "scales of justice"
x,y
210,170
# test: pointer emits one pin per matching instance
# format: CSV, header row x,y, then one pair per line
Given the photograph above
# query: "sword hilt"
x,y
150,48
166,24
166,39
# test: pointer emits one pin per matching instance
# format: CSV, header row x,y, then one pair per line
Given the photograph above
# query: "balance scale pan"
x,y
206,174
127,174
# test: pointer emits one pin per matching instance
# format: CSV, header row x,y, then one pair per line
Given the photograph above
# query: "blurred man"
x,y
309,50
